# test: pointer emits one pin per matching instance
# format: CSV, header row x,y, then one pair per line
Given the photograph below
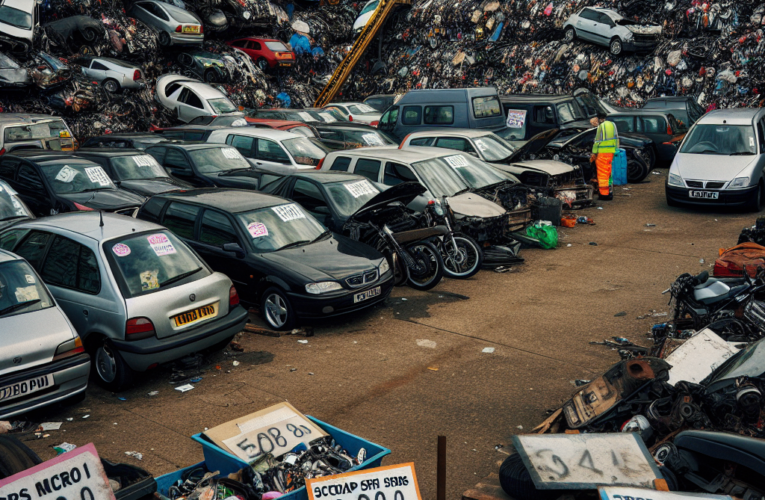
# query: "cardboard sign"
x,y
456,161
626,493
360,188
257,229
393,482
98,176
516,119
288,212
277,430
231,153
66,174
144,160
585,461
76,475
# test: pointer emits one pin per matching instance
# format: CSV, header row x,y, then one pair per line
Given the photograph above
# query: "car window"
x,y
239,43
652,125
761,134
308,195
98,65
375,103
15,17
271,151
21,291
202,120
589,14
368,168
412,115
158,153
605,19
349,196
439,115
369,7
267,179
217,229
255,46
180,219
624,123
243,144
160,12
9,239
71,265
8,168
389,119
341,163
29,178
137,167
193,136
486,107
365,138
33,247
171,88
331,135
544,114
218,159
272,228
456,143
396,173
151,209
175,158
422,141
723,140
191,98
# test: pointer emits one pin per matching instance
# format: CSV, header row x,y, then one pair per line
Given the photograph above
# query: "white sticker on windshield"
x,y
231,153
144,161
121,250
97,175
241,122
372,140
305,116
456,161
288,212
358,189
327,117
257,229
751,141
66,174
30,279
160,244
481,146
27,293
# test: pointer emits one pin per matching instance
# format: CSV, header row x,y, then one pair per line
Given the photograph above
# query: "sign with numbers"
x,y
277,430
456,161
98,176
627,493
586,461
393,482
75,475
288,212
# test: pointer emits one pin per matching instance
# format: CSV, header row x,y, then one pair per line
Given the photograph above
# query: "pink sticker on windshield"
x,y
257,229
121,250
160,244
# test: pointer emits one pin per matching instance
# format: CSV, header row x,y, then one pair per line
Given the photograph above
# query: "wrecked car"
x,y
49,72
113,74
190,98
608,28
237,14
21,131
176,26
204,65
17,21
12,76
75,29
265,52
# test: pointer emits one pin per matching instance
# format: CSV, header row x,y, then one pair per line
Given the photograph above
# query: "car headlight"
x,y
739,182
322,287
247,14
675,180
384,267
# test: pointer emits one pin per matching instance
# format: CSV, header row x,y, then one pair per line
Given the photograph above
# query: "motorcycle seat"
x,y
716,292
747,451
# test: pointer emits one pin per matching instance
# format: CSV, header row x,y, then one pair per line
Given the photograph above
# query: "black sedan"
x,y
212,165
54,182
280,258
133,170
347,135
136,140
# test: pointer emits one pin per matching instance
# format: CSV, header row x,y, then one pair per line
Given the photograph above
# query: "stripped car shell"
x,y
11,74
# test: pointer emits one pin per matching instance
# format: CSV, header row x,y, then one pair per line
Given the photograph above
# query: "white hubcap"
x,y
276,310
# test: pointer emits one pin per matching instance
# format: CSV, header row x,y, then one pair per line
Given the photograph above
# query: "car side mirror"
x,y
234,248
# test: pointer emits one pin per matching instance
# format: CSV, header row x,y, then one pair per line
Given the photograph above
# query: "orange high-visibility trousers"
x,y
605,179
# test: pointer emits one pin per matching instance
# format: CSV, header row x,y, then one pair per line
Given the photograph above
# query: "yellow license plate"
x,y
195,315
191,29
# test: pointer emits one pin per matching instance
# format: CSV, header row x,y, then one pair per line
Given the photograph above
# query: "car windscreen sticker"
x,y
372,140
516,119
121,250
751,141
27,293
327,117
288,212
66,174
97,175
149,280
231,153
30,279
359,189
144,161
305,116
241,122
257,229
456,161
161,244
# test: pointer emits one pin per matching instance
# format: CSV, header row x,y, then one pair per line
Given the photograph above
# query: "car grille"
x,y
644,39
715,185
694,184
362,279
705,184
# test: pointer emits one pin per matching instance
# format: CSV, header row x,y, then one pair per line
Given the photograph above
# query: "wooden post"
x,y
441,469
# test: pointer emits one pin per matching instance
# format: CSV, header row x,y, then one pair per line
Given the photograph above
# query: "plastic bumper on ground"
x,y
318,306
70,377
642,47
141,354
731,198
181,39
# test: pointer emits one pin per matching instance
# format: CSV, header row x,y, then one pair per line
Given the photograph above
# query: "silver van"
x,y
23,130
137,295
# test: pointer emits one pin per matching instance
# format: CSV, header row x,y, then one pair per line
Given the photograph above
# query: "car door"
x,y
97,71
270,153
177,165
191,105
606,29
587,25
388,121
655,128
8,167
32,190
368,168
309,195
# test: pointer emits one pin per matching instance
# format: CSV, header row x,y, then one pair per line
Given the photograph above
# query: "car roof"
x,y
203,89
343,103
256,39
265,133
109,151
641,111
6,256
609,12
464,132
445,96
226,199
129,135
274,122
88,224
738,116
43,157
535,97
194,145
348,125
25,5
327,176
407,155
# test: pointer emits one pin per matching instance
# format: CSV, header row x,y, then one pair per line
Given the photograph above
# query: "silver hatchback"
x,y
137,295
48,362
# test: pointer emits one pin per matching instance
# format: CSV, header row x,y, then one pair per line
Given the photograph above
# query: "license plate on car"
x,y
362,296
20,389
196,315
708,195
191,29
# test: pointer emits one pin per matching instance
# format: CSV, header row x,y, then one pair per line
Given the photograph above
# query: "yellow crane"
x,y
344,69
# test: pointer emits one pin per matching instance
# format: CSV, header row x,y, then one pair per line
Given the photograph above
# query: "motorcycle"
x,y
461,254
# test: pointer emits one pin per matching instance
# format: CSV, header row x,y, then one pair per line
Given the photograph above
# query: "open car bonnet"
x,y
405,192
533,145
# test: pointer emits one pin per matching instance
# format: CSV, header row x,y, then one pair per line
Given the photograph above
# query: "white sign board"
x,y
393,482
586,461
516,119
699,356
360,188
627,493
76,475
288,212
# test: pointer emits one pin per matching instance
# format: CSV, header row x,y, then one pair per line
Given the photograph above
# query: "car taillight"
x,y
233,297
178,29
139,328
669,129
136,75
201,29
374,123
82,207
404,141
321,162
350,118
69,348
2,151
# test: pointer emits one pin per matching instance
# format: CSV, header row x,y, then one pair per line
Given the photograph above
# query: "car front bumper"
x,y
70,377
725,197
317,306
640,46
141,354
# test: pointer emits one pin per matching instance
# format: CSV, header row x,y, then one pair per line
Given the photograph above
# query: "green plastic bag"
x,y
547,235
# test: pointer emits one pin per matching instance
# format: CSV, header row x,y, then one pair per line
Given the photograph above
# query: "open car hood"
x,y
533,145
405,192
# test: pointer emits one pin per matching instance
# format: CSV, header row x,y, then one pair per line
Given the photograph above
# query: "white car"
x,y
190,98
364,16
17,21
356,112
272,148
113,74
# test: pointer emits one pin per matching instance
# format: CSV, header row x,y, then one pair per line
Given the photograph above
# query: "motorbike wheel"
x,y
429,258
637,170
464,261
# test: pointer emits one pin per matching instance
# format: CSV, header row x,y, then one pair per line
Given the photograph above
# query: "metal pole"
x,y
441,469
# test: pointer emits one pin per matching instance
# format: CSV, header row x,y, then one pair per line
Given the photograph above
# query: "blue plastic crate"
x,y
164,482
218,459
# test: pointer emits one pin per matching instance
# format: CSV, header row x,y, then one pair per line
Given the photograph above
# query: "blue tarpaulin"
x,y
284,100
300,44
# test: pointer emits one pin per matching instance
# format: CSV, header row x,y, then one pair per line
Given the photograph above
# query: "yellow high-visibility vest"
x,y
606,138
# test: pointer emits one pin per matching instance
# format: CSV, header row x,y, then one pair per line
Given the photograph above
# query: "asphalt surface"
x,y
401,374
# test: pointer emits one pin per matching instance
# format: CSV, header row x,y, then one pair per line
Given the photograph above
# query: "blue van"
x,y
429,109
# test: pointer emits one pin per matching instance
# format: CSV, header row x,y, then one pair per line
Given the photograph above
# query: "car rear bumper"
x,y
181,39
316,306
141,354
70,377
731,198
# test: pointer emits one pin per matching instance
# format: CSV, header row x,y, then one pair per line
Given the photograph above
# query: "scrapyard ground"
x,y
367,374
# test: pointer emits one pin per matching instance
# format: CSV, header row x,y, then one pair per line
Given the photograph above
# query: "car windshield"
x,y
476,173
277,46
76,177
361,109
439,178
368,138
330,116
53,129
182,16
349,196
10,206
493,148
147,262
278,227
7,62
304,151
211,160
21,290
229,121
222,105
369,7
724,140
138,167
304,131
16,18
569,113
750,362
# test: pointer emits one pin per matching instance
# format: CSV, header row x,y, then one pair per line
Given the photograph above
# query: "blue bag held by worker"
x,y
619,167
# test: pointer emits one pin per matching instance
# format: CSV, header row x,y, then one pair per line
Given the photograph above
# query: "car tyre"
x,y
516,481
211,77
637,170
615,47
164,39
15,457
262,64
277,309
89,34
570,35
755,202
112,86
110,369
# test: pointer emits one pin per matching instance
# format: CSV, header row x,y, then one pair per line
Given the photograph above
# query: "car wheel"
x,y
112,86
211,77
637,171
570,35
277,310
515,479
164,39
15,457
615,47
262,64
111,370
755,202
89,34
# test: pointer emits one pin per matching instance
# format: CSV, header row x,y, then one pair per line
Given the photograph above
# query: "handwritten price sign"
x,y
394,482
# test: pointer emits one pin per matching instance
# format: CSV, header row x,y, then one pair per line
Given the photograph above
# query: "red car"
x,y
266,52
299,128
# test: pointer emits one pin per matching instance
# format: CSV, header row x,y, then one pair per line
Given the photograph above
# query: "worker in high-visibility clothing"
x,y
603,150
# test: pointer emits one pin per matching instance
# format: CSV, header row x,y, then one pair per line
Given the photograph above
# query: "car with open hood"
x,y
608,28
190,98
280,257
